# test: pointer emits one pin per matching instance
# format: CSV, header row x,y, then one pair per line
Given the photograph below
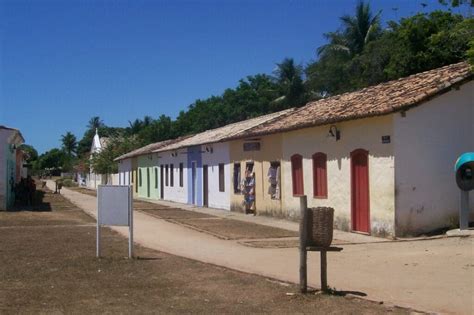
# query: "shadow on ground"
x,y
40,203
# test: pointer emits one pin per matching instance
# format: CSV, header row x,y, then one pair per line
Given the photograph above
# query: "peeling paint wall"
x,y
428,140
358,134
7,167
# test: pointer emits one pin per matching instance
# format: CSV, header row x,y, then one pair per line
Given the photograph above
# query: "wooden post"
x,y
324,275
303,243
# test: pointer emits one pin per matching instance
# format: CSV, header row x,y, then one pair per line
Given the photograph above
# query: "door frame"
x,y
194,182
205,185
353,210
148,182
162,182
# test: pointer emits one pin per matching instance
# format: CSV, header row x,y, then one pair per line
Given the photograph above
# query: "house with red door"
x,y
382,157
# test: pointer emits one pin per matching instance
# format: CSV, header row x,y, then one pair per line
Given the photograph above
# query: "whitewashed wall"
x,y
93,180
124,172
358,134
220,154
427,143
175,193
114,179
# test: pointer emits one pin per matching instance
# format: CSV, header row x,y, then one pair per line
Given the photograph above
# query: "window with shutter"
x,y
171,175
221,178
180,174
320,181
297,174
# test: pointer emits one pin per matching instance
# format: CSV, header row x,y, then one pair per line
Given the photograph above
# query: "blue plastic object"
x,y
463,159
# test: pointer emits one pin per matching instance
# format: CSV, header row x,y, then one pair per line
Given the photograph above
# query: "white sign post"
x,y
115,207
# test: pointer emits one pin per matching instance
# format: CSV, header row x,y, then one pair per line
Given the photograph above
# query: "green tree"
x,y
69,144
30,152
290,78
54,159
427,41
415,44
95,123
357,31
103,161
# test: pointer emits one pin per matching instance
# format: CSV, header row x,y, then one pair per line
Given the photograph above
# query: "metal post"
x,y
464,211
130,226
303,242
98,228
98,240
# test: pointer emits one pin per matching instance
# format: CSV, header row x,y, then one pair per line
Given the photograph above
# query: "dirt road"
x,y
432,275
47,265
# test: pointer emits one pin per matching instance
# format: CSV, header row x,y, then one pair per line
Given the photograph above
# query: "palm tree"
x,y
147,120
135,126
290,78
356,32
69,143
95,123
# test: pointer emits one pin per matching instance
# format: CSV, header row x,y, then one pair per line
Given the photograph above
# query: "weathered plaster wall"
x,y
427,143
148,168
194,186
125,171
219,154
358,134
270,150
176,192
7,168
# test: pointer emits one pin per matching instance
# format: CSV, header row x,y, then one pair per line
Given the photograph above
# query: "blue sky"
x,y
62,62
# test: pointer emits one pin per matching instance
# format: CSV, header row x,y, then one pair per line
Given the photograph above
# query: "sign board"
x,y
252,146
113,204
115,207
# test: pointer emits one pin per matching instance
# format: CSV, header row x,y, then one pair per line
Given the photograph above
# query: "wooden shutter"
x,y
180,174
297,174
320,181
221,178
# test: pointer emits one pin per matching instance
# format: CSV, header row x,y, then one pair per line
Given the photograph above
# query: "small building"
x,y
382,157
140,169
11,168
256,175
205,159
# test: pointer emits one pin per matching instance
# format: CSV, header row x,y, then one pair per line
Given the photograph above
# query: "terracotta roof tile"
x,y
376,100
223,133
148,148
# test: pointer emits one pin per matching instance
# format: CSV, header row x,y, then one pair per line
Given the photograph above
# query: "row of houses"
x,y
11,165
382,157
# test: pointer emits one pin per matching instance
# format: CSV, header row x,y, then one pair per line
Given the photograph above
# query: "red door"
x,y
360,191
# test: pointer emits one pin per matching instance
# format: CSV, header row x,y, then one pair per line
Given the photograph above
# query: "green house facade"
x,y
148,176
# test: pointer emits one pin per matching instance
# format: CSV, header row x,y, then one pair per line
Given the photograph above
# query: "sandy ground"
x,y
432,275
48,266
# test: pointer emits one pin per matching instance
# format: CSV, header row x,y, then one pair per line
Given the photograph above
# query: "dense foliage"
x,y
362,52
